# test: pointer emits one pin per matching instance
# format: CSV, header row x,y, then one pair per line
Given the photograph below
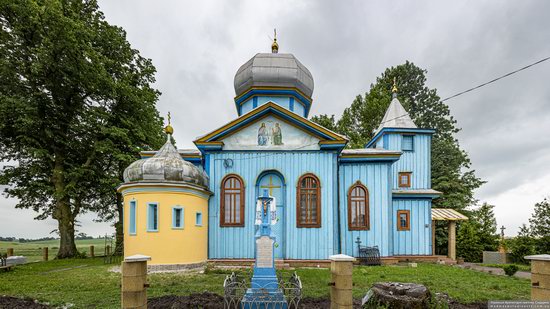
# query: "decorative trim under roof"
x,y
397,130
329,139
447,214
416,193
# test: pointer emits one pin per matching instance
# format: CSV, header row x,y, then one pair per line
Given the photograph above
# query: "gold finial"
x,y
168,129
394,88
275,46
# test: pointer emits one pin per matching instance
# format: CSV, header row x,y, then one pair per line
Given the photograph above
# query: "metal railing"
x,y
236,287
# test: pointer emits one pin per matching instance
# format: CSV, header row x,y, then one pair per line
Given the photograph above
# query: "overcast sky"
x,y
197,46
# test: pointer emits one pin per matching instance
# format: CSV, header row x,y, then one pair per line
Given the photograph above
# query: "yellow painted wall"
x,y
167,245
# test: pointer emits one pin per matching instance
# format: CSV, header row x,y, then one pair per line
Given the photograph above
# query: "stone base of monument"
x,y
265,292
264,299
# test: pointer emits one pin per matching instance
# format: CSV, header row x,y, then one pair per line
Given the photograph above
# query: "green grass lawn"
x,y
87,283
33,250
521,267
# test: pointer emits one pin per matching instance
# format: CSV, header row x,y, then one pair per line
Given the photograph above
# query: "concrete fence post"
x,y
9,252
540,277
134,282
452,240
92,251
341,270
45,253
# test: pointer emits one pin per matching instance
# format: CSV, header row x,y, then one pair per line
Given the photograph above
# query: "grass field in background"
x,y
33,250
87,283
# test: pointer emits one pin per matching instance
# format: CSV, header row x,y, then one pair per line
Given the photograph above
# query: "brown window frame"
x,y
317,224
366,223
408,227
222,201
408,184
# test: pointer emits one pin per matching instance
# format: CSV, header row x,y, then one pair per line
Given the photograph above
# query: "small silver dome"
x,y
273,70
166,165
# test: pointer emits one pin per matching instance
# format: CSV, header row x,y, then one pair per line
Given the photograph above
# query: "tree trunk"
x,y
62,212
67,246
119,226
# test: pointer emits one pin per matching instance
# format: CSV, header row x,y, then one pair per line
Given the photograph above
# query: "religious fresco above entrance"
x,y
273,134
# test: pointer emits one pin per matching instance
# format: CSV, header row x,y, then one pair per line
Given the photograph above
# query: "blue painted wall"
x,y
416,161
287,102
418,240
300,243
376,177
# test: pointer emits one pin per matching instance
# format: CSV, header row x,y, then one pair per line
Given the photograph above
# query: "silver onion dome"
x,y
165,166
273,70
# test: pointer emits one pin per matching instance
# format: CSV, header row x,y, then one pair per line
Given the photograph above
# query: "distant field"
x,y
33,250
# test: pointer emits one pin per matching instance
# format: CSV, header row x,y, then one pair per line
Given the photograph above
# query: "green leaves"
x,y
540,226
478,234
76,107
451,172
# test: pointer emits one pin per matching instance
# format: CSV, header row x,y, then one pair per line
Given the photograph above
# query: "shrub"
x,y
468,243
521,246
510,270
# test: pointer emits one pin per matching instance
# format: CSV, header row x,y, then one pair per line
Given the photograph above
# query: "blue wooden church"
x,y
327,196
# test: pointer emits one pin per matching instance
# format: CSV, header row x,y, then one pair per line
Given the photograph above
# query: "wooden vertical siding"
x,y
417,161
301,243
417,240
375,176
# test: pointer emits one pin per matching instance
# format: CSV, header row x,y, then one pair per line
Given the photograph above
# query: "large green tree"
x,y
76,106
540,226
522,245
478,234
451,169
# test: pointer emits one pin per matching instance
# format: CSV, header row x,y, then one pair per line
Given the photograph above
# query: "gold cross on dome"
x,y
169,118
270,186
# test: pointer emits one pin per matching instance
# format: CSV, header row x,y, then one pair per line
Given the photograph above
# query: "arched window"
x,y
232,201
308,204
358,207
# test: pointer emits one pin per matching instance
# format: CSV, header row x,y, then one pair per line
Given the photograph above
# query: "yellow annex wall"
x,y
167,245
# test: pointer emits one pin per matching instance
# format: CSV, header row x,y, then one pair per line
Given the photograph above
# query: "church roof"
x,y
396,117
369,154
447,214
273,70
369,151
184,153
166,165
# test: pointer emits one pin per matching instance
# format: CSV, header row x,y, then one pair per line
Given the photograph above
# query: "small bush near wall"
x,y
510,270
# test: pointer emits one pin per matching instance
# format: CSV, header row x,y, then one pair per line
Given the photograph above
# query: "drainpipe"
x,y
338,203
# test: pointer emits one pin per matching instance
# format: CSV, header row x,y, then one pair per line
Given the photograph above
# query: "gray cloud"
x,y
198,46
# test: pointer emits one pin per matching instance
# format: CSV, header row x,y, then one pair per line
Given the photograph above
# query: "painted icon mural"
x,y
277,135
262,135
271,136
271,133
